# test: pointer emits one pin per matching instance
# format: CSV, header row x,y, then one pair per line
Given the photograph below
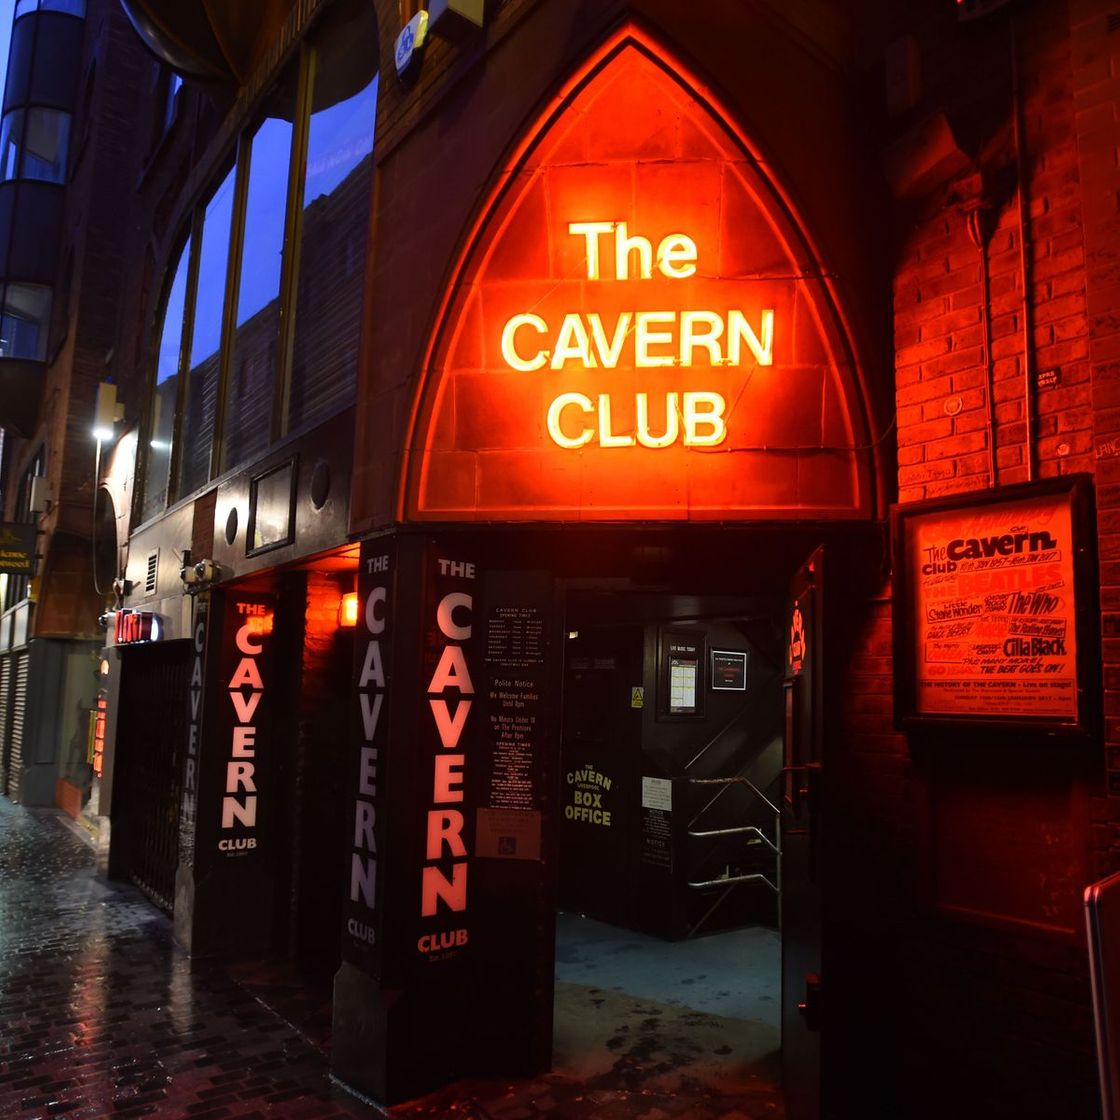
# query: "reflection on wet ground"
x,y
101,1016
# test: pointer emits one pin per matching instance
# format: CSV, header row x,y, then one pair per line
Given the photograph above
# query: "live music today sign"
x,y
639,327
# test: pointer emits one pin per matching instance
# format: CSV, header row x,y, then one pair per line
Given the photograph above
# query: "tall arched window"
x,y
165,394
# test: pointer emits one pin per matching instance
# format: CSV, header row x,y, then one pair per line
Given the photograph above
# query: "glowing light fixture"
x,y
348,611
106,412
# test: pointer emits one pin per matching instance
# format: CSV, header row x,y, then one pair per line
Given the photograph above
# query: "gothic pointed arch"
x,y
638,327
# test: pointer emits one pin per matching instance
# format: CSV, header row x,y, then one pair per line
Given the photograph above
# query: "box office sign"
x,y
17,549
991,592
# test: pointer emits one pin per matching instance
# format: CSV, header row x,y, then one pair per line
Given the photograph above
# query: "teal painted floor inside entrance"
x,y
636,1013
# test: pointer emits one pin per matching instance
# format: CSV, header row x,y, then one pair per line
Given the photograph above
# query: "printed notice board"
x,y
991,590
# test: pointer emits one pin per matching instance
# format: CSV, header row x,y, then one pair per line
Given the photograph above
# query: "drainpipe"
x,y
978,232
1024,253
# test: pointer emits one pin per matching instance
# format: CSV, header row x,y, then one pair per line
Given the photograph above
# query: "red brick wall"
x,y
318,829
938,299
991,997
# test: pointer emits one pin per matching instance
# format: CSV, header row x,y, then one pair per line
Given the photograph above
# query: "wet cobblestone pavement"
x,y
100,1016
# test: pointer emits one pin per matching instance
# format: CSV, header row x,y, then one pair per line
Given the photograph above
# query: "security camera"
x,y
206,571
188,573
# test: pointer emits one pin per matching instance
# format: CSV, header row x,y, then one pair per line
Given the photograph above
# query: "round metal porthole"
x,y
320,484
231,525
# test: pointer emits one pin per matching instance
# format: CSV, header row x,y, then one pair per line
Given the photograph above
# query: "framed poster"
x,y
272,509
729,670
995,607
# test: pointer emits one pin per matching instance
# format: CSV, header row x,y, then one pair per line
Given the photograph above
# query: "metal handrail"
x,y
774,845
738,831
742,781
736,718
734,880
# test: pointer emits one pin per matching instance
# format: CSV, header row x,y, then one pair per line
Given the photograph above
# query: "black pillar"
x,y
224,881
448,934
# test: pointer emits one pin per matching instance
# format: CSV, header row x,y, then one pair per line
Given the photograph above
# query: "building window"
x,y
25,311
66,7
164,398
205,351
249,404
18,587
335,218
34,144
270,334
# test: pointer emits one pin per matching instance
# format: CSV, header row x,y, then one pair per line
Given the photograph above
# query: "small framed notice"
x,y
995,607
729,670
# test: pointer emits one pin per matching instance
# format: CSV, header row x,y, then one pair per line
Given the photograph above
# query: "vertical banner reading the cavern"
x,y
993,609
362,925
188,809
242,734
447,729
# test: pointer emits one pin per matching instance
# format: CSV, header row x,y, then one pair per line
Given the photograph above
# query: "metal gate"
x,y
150,747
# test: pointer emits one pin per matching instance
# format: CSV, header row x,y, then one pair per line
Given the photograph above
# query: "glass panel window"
x,y
46,142
70,7
25,312
34,144
335,217
252,377
166,389
206,338
11,128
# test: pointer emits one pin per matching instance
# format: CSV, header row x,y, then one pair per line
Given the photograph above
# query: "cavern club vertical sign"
x,y
188,807
411,828
638,327
362,933
996,607
242,737
450,665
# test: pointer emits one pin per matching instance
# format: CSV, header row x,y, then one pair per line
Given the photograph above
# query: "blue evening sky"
x,y
6,9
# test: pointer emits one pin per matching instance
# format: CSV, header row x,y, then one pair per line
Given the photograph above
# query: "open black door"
x,y
801,844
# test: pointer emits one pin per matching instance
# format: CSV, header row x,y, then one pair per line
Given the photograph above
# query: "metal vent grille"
x,y
19,711
150,578
6,664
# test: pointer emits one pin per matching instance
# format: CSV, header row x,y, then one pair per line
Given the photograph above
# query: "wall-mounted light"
x,y
107,412
42,494
348,611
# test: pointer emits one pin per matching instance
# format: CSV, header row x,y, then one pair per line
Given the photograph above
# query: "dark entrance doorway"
x,y
668,950
150,749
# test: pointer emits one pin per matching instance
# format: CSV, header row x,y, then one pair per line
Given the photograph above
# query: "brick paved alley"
x,y
100,1015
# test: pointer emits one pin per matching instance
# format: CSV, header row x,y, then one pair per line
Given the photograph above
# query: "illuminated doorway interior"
x,y
668,954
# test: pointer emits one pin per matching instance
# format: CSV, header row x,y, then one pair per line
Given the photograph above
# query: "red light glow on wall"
x,y
348,611
638,328
259,624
